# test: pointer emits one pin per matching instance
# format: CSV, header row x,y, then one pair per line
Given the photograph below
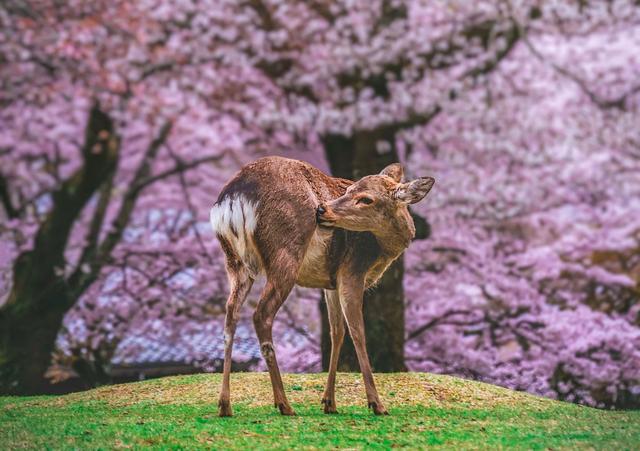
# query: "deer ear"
x,y
414,190
394,171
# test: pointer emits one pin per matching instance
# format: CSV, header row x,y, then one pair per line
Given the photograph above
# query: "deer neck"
x,y
392,242
395,238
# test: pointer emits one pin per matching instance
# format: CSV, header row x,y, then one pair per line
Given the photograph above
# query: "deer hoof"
x,y
286,409
378,408
224,409
329,406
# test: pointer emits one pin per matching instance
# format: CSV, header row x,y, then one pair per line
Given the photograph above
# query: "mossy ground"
x,y
425,411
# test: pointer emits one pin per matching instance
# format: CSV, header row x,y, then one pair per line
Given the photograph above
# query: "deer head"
x,y
375,201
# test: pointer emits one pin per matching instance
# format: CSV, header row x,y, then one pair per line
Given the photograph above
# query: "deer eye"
x,y
364,200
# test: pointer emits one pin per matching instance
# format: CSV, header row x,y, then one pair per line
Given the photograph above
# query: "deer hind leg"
x,y
240,284
351,292
273,296
336,327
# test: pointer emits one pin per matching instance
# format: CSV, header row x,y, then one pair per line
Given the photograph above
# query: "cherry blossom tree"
x,y
356,75
105,155
514,90
122,119
540,234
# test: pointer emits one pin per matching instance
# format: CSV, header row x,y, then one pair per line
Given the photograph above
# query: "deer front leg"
x,y
336,326
351,289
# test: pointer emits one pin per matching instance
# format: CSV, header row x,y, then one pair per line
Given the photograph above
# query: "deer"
x,y
288,221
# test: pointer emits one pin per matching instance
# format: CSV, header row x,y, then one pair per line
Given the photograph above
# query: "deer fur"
x,y
292,223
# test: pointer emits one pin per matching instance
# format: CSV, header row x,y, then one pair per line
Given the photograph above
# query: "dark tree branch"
x,y
292,323
192,210
322,10
104,249
512,36
87,257
414,120
156,68
617,103
435,322
5,198
35,270
180,166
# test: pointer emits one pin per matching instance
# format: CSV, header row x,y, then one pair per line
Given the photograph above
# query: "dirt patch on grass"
x,y
255,389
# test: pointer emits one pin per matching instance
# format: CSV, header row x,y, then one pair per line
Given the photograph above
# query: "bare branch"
x,y
88,253
178,168
192,209
84,279
434,322
131,196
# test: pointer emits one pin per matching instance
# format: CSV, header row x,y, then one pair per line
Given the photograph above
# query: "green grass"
x,y
425,411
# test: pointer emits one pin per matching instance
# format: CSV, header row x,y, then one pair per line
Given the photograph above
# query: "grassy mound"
x,y
425,410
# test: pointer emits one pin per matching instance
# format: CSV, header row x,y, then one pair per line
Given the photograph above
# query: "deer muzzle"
x,y
323,216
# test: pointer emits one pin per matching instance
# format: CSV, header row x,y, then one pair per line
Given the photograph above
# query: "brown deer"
x,y
296,225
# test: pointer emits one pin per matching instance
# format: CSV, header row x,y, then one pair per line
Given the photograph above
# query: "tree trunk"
x,y
28,339
40,295
353,157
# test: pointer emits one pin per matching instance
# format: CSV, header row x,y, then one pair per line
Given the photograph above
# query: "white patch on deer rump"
x,y
235,218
